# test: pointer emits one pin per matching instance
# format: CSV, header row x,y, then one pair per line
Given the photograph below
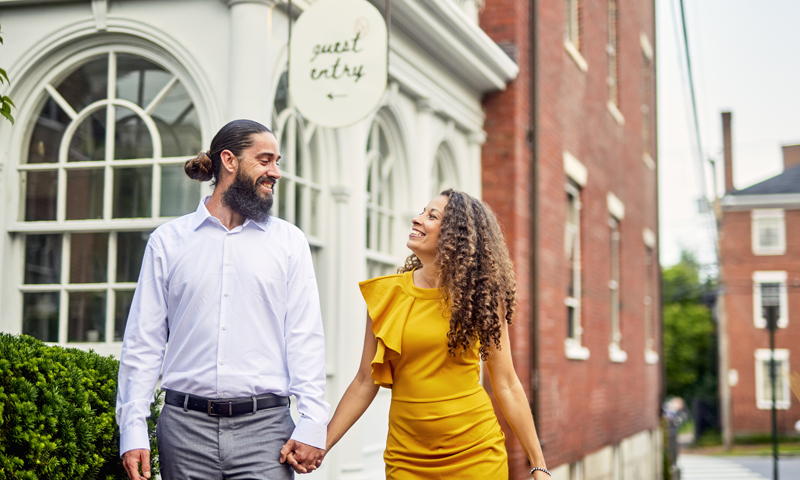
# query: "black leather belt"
x,y
225,407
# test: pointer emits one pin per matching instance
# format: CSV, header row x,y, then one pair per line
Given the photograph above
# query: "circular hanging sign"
x,y
338,62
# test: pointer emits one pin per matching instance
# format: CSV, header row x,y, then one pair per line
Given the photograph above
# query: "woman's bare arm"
x,y
511,396
359,395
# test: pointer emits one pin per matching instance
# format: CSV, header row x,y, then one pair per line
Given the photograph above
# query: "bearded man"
x,y
234,291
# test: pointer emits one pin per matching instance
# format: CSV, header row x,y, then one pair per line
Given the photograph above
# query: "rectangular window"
x,y
612,48
768,231
650,272
615,351
573,24
647,102
769,290
572,251
764,381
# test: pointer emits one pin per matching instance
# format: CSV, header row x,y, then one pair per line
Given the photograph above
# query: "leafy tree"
x,y
689,332
5,102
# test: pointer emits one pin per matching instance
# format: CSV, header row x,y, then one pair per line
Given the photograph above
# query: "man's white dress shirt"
x,y
241,311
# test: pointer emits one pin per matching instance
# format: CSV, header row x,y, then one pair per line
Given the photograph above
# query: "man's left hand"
x,y
301,457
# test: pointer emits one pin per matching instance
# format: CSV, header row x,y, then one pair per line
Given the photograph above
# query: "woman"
x,y
428,328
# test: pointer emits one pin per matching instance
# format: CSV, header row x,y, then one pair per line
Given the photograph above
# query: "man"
x,y
234,291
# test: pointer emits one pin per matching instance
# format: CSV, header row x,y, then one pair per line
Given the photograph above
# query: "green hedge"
x,y
57,413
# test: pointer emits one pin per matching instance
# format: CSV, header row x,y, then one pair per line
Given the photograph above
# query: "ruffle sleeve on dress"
x,y
389,307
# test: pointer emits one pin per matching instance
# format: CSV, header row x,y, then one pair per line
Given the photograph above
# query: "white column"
x,y
249,62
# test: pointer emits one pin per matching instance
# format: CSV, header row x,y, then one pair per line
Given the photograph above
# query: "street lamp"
x,y
770,300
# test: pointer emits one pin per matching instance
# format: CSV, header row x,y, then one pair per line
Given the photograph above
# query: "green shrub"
x,y
57,413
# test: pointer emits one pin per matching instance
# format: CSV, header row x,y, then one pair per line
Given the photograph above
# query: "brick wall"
x,y
583,405
738,265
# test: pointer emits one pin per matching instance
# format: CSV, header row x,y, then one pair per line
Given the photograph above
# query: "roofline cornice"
x,y
749,202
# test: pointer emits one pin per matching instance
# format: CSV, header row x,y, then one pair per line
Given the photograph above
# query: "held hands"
x,y
301,457
131,460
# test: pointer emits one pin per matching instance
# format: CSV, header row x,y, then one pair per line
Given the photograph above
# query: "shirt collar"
x,y
202,214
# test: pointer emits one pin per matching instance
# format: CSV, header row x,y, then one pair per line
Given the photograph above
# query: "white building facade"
x,y
114,96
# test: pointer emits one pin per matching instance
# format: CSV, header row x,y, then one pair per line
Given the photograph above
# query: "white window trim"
x,y
614,110
647,47
650,355
768,214
615,352
615,206
575,55
783,399
107,224
572,346
758,314
575,169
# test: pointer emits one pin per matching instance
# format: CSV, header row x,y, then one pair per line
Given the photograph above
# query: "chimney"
x,y
727,147
791,156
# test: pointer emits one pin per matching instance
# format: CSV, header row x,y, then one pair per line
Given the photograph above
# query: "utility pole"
x,y
771,314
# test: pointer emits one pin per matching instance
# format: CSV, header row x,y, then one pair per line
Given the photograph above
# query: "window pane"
x,y
131,137
771,294
300,159
768,232
315,217
130,250
40,195
87,317
88,258
40,315
179,193
570,322
178,123
46,136
282,93
133,189
84,194
42,259
299,221
89,141
282,199
87,84
121,309
139,80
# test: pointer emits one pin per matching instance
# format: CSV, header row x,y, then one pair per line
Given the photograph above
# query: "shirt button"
x,y
222,362
224,327
227,264
225,294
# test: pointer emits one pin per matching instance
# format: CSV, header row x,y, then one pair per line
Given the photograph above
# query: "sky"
x,y
745,59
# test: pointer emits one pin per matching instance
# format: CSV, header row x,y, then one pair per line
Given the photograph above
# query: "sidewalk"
x,y
702,467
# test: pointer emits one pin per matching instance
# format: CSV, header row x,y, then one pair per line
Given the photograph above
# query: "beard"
x,y
243,198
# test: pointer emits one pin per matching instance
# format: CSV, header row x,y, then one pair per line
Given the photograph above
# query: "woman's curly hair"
x,y
476,273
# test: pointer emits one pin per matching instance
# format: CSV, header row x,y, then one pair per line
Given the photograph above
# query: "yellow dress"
x,y
441,421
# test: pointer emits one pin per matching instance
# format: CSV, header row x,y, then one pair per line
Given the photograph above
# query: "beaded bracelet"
x,y
541,469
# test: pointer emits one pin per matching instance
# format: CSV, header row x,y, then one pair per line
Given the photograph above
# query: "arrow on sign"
x,y
332,96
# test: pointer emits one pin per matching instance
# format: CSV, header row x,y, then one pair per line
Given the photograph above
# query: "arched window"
x,y
443,174
300,187
382,204
102,167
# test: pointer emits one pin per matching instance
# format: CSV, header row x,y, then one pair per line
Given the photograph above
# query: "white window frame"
x,y
760,278
443,171
650,315
290,123
616,209
759,219
107,224
572,34
783,398
577,173
384,259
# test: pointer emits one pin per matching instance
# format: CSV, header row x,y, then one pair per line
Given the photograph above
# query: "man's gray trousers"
x,y
195,446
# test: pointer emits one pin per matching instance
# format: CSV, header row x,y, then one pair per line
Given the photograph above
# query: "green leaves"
x,y
5,102
57,417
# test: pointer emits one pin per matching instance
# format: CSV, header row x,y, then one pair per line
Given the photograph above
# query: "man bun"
x,y
200,168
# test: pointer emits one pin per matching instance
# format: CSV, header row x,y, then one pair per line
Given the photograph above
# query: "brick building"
x,y
569,165
760,265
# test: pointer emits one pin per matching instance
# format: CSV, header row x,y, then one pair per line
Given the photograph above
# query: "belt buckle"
x,y
213,414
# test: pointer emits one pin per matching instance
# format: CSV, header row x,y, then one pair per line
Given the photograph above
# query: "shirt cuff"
x,y
133,438
311,433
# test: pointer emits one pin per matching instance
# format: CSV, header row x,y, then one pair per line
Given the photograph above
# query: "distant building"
x,y
570,166
760,265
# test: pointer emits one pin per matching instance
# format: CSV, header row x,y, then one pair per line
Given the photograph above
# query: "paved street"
x,y
703,467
